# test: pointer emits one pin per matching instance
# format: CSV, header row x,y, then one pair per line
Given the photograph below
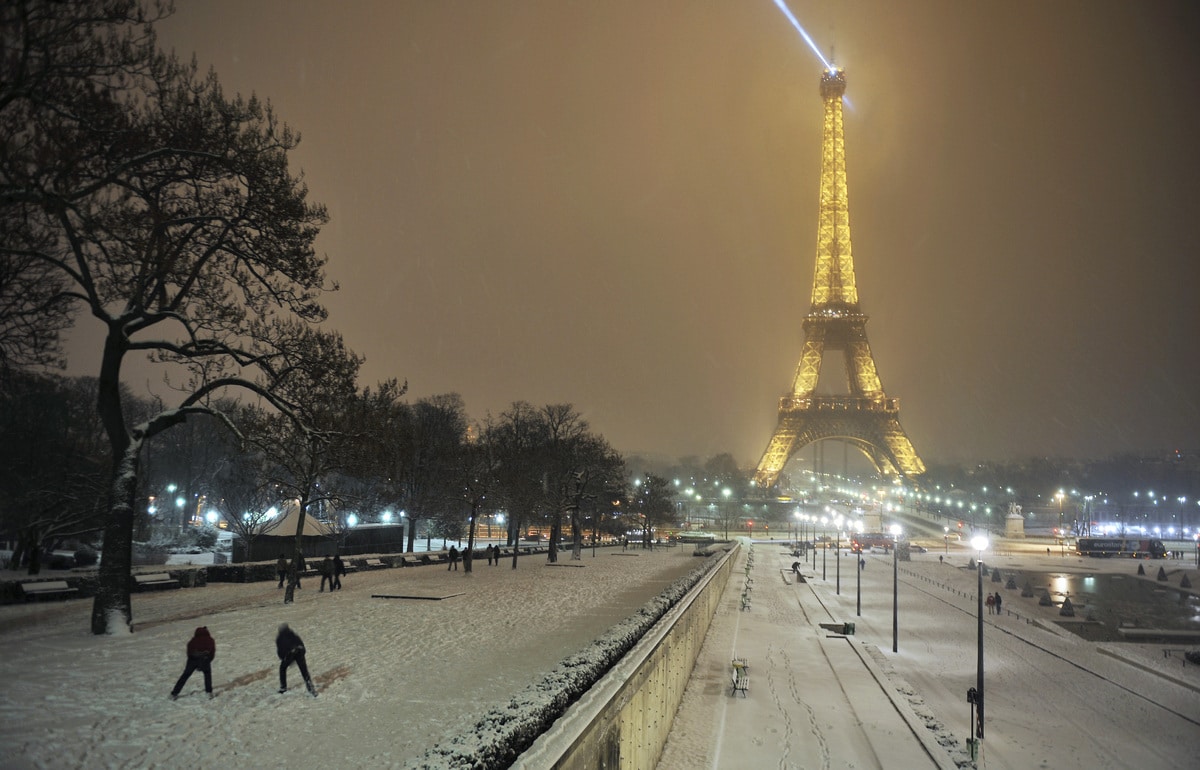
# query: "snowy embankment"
x,y
396,676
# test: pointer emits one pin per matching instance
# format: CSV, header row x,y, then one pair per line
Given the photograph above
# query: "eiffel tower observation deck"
x,y
865,417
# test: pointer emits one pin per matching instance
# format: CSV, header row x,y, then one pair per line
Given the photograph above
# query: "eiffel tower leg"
x,y
779,449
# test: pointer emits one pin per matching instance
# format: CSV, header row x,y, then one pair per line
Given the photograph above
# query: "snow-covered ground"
x,y
818,700
399,676
396,676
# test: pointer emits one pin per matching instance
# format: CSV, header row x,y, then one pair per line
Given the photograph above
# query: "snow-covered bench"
x,y
374,563
155,580
47,588
740,677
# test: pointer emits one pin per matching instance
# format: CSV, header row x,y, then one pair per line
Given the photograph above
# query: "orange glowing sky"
x,y
613,204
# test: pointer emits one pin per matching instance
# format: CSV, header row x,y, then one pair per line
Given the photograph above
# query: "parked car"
x,y
917,548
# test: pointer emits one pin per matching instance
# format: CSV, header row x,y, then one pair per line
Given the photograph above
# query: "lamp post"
x,y
837,558
1061,535
825,549
947,539
858,568
980,544
895,590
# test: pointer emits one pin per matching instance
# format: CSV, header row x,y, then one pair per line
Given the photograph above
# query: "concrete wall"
x,y
623,721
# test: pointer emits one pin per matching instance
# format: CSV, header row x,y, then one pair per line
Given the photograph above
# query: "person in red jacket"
x,y
201,649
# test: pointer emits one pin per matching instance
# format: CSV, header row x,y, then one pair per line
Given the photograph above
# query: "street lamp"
x,y
980,544
1062,546
947,539
895,589
858,568
825,548
837,556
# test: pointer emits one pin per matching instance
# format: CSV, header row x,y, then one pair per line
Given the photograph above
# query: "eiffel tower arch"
x,y
865,418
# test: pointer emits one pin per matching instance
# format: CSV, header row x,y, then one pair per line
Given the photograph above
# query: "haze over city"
x,y
614,205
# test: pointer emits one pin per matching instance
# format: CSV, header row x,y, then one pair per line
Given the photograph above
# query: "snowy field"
x,y
395,676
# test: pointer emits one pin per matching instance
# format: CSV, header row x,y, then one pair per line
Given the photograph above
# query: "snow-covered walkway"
x,y
819,701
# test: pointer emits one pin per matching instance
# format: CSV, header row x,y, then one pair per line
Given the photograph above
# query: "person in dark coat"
x,y
452,563
326,570
489,554
281,568
201,649
998,602
290,649
339,569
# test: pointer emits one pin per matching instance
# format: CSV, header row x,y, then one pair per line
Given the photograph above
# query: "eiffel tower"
x,y
866,418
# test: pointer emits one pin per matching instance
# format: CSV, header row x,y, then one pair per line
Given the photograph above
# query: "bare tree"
x,y
52,462
168,214
305,448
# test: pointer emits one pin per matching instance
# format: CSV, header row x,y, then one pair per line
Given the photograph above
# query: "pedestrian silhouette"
x,y
326,570
291,650
201,649
339,569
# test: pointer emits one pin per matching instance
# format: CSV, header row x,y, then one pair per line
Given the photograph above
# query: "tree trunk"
x,y
470,538
576,535
289,594
514,526
112,610
555,536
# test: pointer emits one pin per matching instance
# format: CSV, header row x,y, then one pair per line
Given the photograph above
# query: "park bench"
x,y
740,677
156,580
436,557
47,588
374,563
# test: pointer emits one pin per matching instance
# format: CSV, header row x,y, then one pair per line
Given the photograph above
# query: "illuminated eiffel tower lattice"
x,y
864,418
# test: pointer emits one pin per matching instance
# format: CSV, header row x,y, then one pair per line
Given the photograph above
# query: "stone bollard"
x,y
1046,601
1027,590
996,576
1185,583
1141,570
1068,609
1162,574
1012,582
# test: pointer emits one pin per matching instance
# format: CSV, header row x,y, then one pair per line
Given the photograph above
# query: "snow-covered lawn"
x,y
396,676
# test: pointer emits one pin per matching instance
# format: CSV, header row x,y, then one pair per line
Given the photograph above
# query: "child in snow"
x,y
201,649
291,650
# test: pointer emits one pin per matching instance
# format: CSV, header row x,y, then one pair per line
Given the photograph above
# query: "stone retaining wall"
x,y
623,721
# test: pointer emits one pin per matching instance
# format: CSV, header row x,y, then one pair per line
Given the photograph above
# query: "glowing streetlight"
x,y
895,529
980,544
825,548
1062,546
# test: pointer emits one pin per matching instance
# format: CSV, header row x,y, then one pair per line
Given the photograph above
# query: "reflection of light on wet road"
x,y
1060,583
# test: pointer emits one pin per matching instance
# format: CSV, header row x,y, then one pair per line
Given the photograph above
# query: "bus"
x,y
1120,546
865,542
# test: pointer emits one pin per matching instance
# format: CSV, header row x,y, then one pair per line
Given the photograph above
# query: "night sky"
x,y
614,204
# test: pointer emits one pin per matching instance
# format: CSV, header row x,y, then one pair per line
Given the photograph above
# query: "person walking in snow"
x,y
997,601
300,568
201,649
990,602
452,564
281,568
290,649
489,554
339,569
326,570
